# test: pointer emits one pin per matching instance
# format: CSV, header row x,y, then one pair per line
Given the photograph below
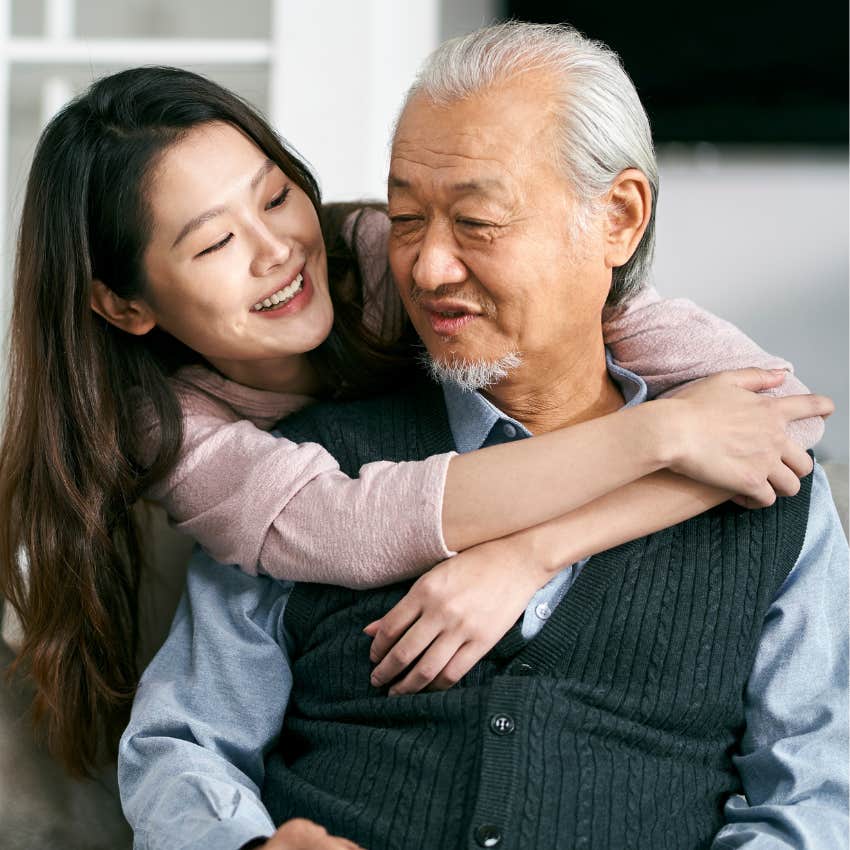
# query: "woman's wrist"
x,y
544,550
661,432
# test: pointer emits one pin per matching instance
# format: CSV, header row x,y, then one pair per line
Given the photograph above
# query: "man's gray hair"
x,y
602,126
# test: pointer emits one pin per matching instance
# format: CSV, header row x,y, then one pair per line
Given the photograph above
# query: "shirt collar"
x,y
472,417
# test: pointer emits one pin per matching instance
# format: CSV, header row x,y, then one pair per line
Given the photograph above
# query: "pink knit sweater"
x,y
271,505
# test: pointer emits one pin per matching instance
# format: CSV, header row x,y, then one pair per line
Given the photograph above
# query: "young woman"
x,y
177,278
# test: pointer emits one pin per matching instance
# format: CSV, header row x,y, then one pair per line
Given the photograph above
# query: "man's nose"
x,y
269,250
437,262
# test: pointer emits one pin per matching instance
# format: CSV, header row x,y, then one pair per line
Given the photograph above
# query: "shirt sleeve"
x,y
263,502
793,758
191,761
671,342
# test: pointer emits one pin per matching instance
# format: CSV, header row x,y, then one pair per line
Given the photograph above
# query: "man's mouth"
x,y
281,296
449,320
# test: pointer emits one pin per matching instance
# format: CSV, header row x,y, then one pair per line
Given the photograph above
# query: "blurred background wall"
x,y
748,105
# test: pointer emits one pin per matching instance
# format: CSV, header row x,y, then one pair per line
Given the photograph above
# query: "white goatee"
x,y
471,375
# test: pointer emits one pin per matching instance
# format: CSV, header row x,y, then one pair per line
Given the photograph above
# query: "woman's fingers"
x,y
461,663
794,407
405,651
428,667
797,459
753,378
389,629
784,481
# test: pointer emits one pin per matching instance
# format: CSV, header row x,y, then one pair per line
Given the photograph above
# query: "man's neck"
x,y
555,395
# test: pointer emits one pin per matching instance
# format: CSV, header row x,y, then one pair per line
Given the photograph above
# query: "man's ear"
x,y
135,316
628,204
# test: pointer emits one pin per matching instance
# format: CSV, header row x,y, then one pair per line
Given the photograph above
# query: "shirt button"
x,y
488,835
543,611
510,432
502,724
523,669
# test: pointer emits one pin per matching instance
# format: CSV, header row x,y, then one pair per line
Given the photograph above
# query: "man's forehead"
x,y
477,141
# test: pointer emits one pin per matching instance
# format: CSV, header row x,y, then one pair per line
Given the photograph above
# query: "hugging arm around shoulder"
x,y
670,342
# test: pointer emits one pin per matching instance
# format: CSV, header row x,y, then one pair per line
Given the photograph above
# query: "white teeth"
x,y
281,296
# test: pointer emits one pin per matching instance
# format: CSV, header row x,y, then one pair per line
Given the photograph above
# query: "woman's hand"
x,y
453,616
728,435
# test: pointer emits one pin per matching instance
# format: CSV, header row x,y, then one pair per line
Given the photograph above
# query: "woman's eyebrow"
x,y
196,222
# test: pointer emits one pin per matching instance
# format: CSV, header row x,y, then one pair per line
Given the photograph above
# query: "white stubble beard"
x,y
472,375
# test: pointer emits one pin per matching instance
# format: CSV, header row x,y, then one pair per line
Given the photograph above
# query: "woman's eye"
x,y
217,246
278,199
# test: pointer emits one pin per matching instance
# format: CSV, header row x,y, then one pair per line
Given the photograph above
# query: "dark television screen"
x,y
766,73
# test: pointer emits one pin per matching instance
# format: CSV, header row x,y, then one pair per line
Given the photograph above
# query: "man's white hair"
x,y
602,128
471,375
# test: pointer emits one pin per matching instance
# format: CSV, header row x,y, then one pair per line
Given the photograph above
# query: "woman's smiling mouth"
x,y
281,296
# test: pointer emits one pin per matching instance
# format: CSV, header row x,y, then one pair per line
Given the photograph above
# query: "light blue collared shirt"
x,y
212,702
475,422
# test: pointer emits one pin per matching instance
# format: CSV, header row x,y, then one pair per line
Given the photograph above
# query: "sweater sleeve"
x,y
672,342
367,232
267,503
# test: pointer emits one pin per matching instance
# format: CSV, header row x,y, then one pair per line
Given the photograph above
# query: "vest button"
x,y
502,724
488,835
523,669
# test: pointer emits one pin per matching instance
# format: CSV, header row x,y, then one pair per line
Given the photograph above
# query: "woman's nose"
x,y
270,250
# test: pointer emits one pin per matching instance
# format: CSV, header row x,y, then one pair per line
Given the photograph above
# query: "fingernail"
x,y
375,680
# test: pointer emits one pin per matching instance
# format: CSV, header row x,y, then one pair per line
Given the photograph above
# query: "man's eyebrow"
x,y
204,217
394,182
483,185
480,185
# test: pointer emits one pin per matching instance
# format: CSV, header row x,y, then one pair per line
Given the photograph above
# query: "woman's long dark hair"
x,y
70,557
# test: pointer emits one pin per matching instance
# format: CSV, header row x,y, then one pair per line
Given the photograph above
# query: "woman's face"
x,y
236,266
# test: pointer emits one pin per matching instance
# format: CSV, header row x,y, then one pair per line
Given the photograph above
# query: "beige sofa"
x,y
40,808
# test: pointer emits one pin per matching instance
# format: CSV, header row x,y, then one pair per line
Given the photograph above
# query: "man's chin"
x,y
469,373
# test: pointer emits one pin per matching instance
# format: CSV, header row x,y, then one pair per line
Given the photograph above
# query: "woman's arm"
x,y
671,342
458,611
262,502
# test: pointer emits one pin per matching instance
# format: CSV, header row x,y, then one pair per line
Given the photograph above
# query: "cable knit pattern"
x,y
637,678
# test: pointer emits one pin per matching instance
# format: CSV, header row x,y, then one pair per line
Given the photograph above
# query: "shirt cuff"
x,y
227,835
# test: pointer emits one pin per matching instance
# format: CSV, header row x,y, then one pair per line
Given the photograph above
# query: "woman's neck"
x,y
293,374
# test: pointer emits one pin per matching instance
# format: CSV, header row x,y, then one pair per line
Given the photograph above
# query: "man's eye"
x,y
405,225
218,246
473,222
278,199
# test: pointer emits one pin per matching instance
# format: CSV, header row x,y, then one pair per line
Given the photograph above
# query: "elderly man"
x,y
643,689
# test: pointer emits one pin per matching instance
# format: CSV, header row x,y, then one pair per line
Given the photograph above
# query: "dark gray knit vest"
x,y
612,729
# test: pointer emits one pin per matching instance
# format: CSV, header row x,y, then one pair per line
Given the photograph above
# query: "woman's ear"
x,y
629,204
135,316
